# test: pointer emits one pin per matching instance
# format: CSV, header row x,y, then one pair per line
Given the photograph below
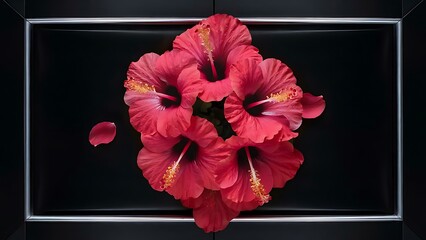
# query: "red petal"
x,y
173,121
190,42
291,110
227,32
143,111
313,106
188,182
246,77
241,53
208,161
201,131
284,161
213,215
240,195
159,144
154,165
189,85
227,171
143,70
171,63
102,133
215,91
276,76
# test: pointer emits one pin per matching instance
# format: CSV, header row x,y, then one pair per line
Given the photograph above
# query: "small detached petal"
x,y
313,106
102,133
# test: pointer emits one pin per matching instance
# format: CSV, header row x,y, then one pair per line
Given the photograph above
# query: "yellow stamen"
x,y
283,95
138,86
258,188
172,170
255,184
170,175
204,34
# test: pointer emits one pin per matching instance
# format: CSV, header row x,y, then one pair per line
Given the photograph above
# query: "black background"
x,y
11,43
77,81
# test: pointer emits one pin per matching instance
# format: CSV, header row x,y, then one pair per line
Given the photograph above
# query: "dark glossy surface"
x,y
17,5
350,151
312,231
414,119
409,5
123,8
114,231
11,104
310,8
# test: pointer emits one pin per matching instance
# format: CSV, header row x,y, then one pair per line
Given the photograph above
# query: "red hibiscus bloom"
x,y
252,169
210,212
183,165
216,43
266,101
161,91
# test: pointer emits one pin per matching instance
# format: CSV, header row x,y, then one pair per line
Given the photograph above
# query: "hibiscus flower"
x,y
182,165
210,212
216,43
253,169
266,101
161,91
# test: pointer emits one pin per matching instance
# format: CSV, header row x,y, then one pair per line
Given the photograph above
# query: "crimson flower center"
x,y
219,65
173,92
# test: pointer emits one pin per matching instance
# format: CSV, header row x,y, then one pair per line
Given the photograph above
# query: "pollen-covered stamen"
x,y
204,35
255,182
141,87
172,170
281,96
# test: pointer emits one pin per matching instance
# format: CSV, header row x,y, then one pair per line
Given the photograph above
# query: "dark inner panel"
x,y
112,8
310,8
77,81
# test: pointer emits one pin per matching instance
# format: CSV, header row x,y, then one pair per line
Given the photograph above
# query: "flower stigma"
x,y
143,88
256,186
204,35
172,170
281,96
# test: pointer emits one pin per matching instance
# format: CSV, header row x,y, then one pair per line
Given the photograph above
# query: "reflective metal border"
x,y
398,214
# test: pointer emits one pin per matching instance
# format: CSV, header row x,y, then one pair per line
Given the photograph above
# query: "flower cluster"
x,y
215,120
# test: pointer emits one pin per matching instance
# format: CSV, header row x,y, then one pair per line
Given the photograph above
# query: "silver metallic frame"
x,y
398,214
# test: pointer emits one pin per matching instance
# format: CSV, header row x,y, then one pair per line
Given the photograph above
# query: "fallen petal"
x,y
102,133
313,106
